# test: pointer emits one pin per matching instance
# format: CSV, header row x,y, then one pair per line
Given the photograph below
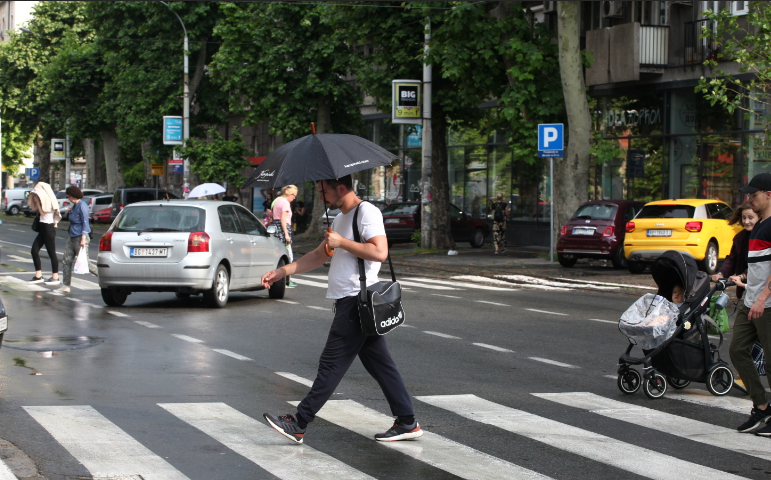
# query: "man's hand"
x,y
333,239
757,309
272,276
83,241
737,279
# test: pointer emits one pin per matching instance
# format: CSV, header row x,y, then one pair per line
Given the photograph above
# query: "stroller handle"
x,y
722,283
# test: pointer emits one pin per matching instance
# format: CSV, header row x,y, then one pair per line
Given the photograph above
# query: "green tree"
x,y
217,159
17,143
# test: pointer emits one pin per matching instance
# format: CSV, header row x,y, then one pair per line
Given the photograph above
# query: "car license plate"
x,y
148,252
583,231
391,220
3,324
659,233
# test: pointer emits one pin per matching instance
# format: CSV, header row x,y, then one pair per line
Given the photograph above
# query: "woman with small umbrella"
x,y
282,219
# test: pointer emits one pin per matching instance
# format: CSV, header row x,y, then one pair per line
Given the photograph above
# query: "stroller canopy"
x,y
673,268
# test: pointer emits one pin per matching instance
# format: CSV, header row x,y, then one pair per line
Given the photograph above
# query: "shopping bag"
x,y
719,316
81,264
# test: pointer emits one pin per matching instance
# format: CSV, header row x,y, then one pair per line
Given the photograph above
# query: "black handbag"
x,y
380,304
36,223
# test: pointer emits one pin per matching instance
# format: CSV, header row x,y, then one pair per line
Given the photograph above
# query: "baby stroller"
x,y
675,345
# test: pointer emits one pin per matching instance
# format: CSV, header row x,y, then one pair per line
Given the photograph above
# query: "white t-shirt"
x,y
46,217
344,269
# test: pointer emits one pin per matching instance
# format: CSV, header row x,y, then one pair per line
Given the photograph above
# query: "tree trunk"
x,y
571,174
145,148
441,228
323,121
90,152
62,169
112,160
42,157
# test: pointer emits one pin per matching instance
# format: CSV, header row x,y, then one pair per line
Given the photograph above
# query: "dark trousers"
x,y
744,335
46,236
344,343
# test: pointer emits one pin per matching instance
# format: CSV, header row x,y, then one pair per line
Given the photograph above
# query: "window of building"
x,y
740,8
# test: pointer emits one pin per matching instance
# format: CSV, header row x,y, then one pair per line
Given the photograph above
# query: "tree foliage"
x,y
218,159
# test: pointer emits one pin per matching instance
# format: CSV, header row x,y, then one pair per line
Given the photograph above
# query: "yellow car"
x,y
698,228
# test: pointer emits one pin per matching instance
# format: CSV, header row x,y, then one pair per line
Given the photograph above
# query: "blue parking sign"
x,y
551,140
34,173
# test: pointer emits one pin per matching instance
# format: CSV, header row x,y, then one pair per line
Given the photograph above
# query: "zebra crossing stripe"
x,y
5,472
261,444
84,284
296,378
701,397
581,442
310,283
20,285
696,431
461,285
433,449
424,285
100,445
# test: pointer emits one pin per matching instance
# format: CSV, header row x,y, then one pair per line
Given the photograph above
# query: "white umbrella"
x,y
206,189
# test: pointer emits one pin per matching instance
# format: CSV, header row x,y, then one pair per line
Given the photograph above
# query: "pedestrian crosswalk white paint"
x,y
19,259
146,324
627,285
261,444
5,472
20,285
289,302
413,283
310,283
462,284
492,347
296,378
638,460
546,311
696,431
702,397
118,314
232,354
81,284
493,303
439,334
100,445
433,449
319,308
538,281
186,338
552,362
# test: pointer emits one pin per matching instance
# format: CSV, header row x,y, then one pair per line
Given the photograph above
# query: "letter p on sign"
x,y
551,139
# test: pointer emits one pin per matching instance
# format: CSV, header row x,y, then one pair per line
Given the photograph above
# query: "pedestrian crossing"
x,y
107,451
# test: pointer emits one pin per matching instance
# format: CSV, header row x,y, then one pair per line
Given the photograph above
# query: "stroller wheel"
x,y
656,386
720,380
629,381
677,383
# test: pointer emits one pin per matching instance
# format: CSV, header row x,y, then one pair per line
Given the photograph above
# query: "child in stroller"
x,y
676,348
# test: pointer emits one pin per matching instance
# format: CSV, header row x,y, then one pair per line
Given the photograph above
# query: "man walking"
x,y
753,317
346,340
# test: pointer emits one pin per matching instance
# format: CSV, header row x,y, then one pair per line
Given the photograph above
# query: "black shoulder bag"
x,y
380,304
36,223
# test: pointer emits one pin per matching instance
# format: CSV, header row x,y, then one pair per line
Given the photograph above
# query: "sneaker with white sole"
x,y
400,431
286,425
52,281
63,289
758,418
37,280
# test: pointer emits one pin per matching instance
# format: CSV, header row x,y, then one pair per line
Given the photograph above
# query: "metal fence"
x,y
697,50
654,45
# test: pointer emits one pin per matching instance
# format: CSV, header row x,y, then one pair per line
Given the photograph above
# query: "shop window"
x,y
476,198
499,173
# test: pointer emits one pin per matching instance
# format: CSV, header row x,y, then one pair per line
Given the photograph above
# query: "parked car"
x,y
381,204
188,247
98,202
402,220
64,204
597,230
693,227
128,195
102,216
14,201
3,321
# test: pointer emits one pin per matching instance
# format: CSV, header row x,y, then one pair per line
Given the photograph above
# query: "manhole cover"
x,y
48,343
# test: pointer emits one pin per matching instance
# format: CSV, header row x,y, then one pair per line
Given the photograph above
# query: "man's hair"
x,y
74,192
346,181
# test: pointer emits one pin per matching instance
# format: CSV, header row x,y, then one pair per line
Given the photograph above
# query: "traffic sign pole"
x,y
551,143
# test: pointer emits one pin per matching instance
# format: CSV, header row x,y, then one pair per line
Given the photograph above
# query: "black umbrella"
x,y
318,157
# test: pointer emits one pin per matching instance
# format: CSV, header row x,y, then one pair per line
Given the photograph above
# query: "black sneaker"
x,y
758,418
287,426
36,280
764,431
52,281
400,431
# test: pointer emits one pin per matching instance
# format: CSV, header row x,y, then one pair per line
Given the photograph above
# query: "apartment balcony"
x,y
625,52
697,50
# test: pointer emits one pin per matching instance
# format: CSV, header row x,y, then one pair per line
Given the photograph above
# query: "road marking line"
x,y
552,362
544,311
19,259
443,335
422,285
603,321
581,442
310,283
14,230
84,284
5,472
448,296
186,338
21,285
118,314
493,303
101,446
319,308
687,428
74,299
296,378
317,277
261,444
433,449
461,286
147,324
407,326
56,294
493,347
614,377
233,354
92,305
644,287
564,284
702,397
289,302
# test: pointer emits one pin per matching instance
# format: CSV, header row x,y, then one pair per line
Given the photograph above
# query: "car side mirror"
x,y
271,229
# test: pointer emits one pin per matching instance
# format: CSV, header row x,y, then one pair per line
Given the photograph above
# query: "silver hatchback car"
x,y
187,247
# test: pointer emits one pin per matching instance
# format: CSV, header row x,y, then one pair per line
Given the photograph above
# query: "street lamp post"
x,y
185,107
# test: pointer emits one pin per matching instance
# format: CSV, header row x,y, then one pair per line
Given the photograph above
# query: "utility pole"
x,y
67,157
425,197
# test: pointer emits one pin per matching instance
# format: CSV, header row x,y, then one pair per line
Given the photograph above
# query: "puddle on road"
x,y
47,344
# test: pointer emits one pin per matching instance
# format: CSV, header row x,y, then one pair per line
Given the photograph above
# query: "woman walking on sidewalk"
x,y
78,238
282,218
500,213
43,201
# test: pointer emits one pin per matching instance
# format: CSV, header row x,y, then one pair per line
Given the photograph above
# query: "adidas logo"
x,y
391,321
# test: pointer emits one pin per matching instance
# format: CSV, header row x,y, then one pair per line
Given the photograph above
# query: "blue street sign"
x,y
177,168
34,173
172,130
551,140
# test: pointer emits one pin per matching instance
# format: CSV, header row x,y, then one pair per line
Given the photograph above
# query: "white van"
x,y
15,201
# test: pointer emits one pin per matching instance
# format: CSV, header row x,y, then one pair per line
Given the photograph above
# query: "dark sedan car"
x,y
403,219
597,230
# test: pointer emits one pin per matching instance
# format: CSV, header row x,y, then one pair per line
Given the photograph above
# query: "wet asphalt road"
x,y
125,362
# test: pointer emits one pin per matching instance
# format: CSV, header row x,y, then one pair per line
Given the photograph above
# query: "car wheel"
x,y
478,238
618,260
635,267
14,210
566,260
277,290
709,264
217,295
114,297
